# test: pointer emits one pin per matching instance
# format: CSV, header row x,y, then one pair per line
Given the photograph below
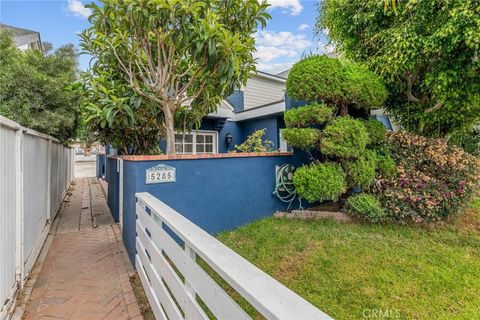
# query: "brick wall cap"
x,y
202,156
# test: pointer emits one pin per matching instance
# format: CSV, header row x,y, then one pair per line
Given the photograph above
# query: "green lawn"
x,y
344,269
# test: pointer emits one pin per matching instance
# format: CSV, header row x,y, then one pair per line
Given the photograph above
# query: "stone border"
x,y
313,215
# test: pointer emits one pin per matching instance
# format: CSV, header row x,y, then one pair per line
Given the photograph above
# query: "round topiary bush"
x,y
361,172
366,206
303,138
320,181
335,82
345,138
376,132
313,114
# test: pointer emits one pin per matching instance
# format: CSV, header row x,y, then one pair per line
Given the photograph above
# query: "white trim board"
x,y
278,107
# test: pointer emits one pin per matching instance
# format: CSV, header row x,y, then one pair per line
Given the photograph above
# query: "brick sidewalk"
x,y
86,272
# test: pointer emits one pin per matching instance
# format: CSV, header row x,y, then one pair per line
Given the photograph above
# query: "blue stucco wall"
x,y
100,165
293,103
216,194
235,130
113,187
269,123
236,99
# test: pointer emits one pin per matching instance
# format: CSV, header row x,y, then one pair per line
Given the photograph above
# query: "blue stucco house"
x,y
259,104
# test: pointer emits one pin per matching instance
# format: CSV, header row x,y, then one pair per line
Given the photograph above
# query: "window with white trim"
x,y
196,142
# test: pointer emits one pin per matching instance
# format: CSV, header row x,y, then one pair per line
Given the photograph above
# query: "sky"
x,y
288,35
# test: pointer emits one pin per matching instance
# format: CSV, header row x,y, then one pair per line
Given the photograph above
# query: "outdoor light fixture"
x,y
228,138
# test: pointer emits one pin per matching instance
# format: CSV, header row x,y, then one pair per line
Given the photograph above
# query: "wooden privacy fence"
x,y
35,173
168,247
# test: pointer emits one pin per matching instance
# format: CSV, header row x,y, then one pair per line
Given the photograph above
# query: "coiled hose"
x,y
284,187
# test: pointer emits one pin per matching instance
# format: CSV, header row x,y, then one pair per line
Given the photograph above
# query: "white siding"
x,y
260,91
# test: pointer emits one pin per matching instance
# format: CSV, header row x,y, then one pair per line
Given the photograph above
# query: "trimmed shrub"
x,y
345,138
361,172
336,82
305,116
386,167
320,181
434,180
376,132
303,138
468,140
255,143
366,206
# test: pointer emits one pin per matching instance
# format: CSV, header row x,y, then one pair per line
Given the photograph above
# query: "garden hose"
x,y
284,187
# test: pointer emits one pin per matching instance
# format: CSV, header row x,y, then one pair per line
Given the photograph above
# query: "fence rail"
x,y
35,173
168,245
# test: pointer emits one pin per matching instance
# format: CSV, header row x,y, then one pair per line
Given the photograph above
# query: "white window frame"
x,y
282,145
194,140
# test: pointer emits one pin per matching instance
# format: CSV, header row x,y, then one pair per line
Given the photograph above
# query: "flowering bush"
x,y
434,180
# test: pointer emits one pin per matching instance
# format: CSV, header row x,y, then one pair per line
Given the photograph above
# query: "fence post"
x,y
72,165
192,255
49,183
19,208
120,191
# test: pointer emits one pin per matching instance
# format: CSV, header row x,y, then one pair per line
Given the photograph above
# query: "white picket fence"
x,y
174,296
35,173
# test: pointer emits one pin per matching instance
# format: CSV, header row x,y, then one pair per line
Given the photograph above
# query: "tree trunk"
x,y
169,130
344,110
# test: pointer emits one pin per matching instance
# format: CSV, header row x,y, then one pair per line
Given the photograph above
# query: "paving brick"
x,y
85,275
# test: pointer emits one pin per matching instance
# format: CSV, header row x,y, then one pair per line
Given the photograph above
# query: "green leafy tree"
x,y
177,54
426,51
115,114
36,88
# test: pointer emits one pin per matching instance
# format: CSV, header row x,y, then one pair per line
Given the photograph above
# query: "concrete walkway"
x,y
86,272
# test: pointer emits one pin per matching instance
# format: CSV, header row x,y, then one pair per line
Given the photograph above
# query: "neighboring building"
x,y
259,104
24,39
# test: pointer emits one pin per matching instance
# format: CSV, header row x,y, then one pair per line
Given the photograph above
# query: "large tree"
x,y
427,52
179,55
35,88
113,113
